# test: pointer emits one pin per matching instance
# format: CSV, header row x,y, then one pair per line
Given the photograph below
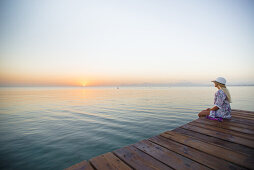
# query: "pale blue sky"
x,y
118,42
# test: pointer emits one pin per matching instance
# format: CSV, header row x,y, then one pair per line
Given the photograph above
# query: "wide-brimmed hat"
x,y
220,80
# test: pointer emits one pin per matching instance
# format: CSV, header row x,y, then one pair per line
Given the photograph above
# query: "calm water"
x,y
54,128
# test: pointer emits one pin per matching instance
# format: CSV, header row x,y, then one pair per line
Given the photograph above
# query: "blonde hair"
x,y
225,90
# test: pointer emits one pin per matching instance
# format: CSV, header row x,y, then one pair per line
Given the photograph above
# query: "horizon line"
x,y
126,85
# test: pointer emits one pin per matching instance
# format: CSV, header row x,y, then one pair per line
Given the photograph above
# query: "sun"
x,y
84,84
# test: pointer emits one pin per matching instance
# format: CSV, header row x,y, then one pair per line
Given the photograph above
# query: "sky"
x,y
119,42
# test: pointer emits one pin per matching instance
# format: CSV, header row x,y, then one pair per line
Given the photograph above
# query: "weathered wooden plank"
x,y
224,136
168,157
138,159
216,141
84,165
194,154
225,124
234,157
218,129
108,161
242,117
240,120
242,113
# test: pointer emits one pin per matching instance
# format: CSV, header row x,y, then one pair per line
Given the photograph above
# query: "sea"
x,y
56,127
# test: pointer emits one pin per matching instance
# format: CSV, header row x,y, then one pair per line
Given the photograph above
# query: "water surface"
x,y
54,128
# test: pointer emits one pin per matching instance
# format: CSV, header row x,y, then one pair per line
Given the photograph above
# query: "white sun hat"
x,y
220,80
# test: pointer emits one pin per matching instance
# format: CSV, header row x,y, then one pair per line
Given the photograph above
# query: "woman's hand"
x,y
214,108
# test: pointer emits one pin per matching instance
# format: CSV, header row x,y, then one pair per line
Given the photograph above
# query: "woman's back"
x,y
220,100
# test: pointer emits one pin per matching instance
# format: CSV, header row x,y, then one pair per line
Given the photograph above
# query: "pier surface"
x,y
200,144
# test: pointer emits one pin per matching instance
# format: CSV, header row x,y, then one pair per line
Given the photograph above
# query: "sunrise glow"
x,y
114,43
84,84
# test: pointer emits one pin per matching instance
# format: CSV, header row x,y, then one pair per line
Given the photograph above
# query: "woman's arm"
x,y
214,108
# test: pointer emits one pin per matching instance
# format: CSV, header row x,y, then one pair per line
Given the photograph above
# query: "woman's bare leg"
x,y
204,113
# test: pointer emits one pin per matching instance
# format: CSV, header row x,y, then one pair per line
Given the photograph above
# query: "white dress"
x,y
220,100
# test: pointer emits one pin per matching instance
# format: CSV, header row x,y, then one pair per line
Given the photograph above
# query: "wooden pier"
x,y
200,144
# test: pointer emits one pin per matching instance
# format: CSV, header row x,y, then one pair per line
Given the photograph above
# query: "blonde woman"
x,y
222,101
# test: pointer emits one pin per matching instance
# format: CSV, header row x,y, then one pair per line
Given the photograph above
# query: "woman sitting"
x,y
222,101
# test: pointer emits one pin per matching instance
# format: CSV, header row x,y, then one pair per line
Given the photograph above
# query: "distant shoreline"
x,y
120,86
